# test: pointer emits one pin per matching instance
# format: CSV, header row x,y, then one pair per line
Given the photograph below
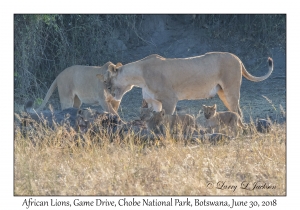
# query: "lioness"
x,y
165,81
220,120
79,84
174,123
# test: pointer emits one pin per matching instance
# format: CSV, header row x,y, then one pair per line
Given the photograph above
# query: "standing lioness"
x,y
79,84
165,81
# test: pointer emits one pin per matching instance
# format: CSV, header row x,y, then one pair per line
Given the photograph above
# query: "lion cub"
x,y
153,120
90,119
221,120
173,122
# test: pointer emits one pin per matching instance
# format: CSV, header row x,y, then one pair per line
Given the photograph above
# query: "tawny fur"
x,y
79,84
165,81
174,123
220,121
93,119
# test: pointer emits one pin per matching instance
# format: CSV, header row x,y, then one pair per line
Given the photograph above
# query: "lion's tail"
x,y
240,123
49,93
252,78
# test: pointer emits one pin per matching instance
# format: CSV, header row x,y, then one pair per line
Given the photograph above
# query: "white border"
x,y
8,8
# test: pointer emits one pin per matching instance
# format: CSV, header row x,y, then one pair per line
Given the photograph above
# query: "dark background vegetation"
x,y
46,44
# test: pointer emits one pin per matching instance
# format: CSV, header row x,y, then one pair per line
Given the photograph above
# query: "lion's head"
x,y
209,111
112,82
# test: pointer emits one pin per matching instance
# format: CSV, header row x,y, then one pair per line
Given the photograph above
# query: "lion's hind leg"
x,y
231,100
77,102
66,103
66,97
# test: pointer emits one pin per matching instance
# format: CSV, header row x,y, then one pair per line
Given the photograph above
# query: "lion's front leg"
x,y
106,106
115,104
151,103
169,104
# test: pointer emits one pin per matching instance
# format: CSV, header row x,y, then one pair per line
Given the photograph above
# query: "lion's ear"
x,y
119,65
100,77
215,106
144,104
112,69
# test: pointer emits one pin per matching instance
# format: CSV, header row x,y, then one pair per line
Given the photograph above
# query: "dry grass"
x,y
61,165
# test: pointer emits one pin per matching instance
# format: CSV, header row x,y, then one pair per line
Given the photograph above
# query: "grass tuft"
x,y
57,162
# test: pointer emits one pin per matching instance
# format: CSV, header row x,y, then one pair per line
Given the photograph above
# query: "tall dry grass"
x,y
61,163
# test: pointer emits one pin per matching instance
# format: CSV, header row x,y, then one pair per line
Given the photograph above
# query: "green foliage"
x,y
38,101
